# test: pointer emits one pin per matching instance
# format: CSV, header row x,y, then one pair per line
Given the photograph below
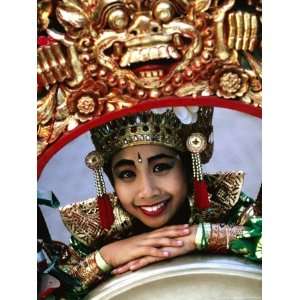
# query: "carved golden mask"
x,y
97,56
147,43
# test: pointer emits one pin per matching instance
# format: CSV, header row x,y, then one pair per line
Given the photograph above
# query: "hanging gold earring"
x,y
95,162
196,144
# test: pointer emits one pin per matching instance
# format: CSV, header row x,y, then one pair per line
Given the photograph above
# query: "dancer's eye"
x,y
126,174
161,167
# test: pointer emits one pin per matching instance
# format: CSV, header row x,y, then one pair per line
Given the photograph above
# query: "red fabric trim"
x,y
106,215
143,106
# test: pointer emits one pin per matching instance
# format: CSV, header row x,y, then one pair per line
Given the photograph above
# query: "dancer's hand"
x,y
157,243
188,246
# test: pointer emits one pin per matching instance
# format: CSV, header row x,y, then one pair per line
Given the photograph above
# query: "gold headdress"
x,y
153,128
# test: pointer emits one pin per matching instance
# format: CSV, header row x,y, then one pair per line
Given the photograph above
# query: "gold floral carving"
x,y
230,82
106,55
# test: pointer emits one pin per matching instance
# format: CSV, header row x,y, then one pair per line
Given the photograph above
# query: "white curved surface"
x,y
189,277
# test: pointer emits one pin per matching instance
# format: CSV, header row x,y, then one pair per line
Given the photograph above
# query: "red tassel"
x,y
106,214
201,194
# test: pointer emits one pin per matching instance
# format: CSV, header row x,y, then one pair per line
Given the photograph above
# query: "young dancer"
x,y
163,205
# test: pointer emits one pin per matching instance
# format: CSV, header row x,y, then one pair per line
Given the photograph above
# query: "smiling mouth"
x,y
154,210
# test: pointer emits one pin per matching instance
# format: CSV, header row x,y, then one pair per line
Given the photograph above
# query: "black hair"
x,y
186,160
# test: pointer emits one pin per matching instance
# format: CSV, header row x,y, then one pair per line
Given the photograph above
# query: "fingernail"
x,y
166,253
186,231
179,243
186,225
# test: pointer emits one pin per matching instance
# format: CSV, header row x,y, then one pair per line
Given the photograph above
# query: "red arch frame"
x,y
143,106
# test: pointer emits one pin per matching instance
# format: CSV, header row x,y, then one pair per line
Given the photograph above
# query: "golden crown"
x,y
153,128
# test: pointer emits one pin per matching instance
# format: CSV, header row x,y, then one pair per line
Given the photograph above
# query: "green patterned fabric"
x,y
243,203
249,244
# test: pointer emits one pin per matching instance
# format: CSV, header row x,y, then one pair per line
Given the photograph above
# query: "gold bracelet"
x,y
101,263
218,239
87,270
221,237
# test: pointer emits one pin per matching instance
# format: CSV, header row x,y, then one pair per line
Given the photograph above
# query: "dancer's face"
x,y
150,183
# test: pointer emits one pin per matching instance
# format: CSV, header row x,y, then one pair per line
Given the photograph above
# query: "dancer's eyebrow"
x,y
160,156
123,162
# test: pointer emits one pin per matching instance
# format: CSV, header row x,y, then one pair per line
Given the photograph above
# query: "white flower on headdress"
x,y
186,114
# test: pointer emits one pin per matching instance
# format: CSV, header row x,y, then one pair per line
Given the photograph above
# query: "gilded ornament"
x,y
154,93
230,82
77,74
44,9
118,19
57,129
109,55
86,105
94,160
87,101
255,84
196,143
190,89
201,5
243,31
46,107
72,123
164,11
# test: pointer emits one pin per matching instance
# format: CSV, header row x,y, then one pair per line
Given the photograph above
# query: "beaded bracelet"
x,y
101,263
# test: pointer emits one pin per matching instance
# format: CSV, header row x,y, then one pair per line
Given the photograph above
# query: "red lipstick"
x,y
154,210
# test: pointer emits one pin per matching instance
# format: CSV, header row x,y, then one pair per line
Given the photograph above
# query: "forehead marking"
x,y
139,158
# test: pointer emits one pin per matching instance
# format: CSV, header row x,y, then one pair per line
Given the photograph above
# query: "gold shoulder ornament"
x,y
82,221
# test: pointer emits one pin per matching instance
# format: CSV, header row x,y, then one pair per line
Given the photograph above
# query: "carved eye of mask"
x,y
164,11
118,19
